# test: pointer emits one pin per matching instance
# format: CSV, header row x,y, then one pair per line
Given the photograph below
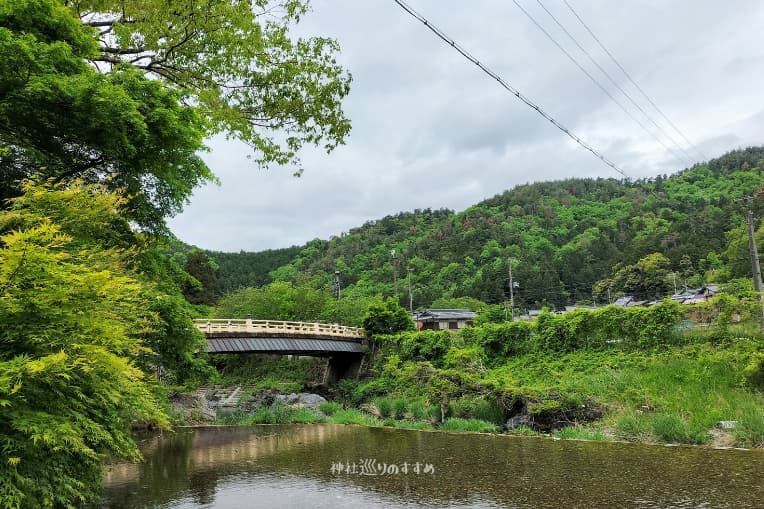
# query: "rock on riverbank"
x,y
209,403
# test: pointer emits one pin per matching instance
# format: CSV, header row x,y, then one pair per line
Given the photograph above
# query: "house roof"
x,y
445,314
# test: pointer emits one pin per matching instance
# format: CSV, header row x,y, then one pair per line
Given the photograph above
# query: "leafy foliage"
x,y
70,314
386,318
62,119
243,270
237,61
202,288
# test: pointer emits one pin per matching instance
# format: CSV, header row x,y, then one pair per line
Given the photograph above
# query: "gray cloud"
x,y
430,130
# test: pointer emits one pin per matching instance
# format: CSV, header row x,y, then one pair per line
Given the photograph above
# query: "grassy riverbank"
x,y
671,395
560,376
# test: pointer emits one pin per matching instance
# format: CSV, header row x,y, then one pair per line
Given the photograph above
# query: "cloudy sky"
x,y
431,130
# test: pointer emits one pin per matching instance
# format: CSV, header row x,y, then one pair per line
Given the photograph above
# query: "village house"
x,y
443,319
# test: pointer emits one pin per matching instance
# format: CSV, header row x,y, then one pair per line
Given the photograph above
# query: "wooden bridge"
x,y
344,346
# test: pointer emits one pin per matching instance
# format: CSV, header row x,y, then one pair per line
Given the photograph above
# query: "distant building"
x,y
623,301
444,319
688,296
697,295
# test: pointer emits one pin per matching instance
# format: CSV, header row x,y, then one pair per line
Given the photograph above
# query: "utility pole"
x,y
336,284
411,296
674,274
395,273
609,300
511,292
754,252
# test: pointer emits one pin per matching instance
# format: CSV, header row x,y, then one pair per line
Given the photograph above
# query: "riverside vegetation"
x,y
97,297
613,373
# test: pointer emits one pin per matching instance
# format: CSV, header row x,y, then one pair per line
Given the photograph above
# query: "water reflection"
x,y
290,466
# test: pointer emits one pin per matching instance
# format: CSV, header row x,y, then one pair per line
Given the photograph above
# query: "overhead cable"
x,y
628,76
615,84
596,81
445,38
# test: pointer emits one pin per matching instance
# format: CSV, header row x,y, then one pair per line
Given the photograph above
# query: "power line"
x,y
628,76
594,80
614,83
437,31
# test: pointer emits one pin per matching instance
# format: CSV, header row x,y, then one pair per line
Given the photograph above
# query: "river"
x,y
337,467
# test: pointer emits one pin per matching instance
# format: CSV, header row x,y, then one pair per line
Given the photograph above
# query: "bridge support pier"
x,y
343,365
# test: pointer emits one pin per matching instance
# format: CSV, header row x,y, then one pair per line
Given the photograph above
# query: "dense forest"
x,y
243,269
569,241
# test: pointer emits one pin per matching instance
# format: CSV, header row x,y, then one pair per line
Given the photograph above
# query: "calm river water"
x,y
299,466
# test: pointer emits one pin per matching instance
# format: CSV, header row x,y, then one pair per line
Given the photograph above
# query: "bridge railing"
x,y
279,327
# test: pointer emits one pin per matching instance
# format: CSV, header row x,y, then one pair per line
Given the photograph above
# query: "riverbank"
x,y
702,393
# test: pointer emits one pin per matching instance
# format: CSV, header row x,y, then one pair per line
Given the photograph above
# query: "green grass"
x,y
674,395
749,431
416,425
580,433
330,408
384,405
523,431
673,429
277,413
353,416
633,426
459,424
421,411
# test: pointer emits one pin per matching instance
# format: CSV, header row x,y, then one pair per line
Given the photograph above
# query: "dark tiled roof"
x,y
445,314
283,345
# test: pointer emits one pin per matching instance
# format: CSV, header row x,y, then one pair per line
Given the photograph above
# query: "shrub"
x,y
671,428
754,372
424,345
329,408
353,416
476,425
580,433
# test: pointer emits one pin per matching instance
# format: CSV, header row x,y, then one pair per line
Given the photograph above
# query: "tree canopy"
x,y
124,93
247,74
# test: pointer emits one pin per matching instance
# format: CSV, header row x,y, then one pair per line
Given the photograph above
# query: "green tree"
x,y
387,317
94,219
646,279
276,301
70,314
167,75
62,119
237,60
203,288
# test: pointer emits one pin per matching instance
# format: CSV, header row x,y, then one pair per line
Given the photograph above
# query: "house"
x,y
444,319
696,296
623,301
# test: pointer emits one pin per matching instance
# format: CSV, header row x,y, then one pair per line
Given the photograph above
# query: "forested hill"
x,y
565,238
244,269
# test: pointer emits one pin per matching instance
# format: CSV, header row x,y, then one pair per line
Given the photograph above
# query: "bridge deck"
x,y
280,337
219,327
